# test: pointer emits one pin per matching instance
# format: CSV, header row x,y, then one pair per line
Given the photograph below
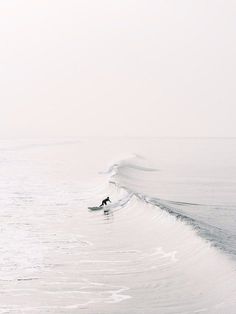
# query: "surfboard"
x,y
96,208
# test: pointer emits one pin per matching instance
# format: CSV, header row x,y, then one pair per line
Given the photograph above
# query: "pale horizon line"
x,y
114,137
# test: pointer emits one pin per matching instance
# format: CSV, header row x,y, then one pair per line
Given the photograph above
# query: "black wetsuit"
x,y
104,202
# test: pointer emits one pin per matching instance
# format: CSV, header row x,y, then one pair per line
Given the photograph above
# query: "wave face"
x,y
146,253
215,223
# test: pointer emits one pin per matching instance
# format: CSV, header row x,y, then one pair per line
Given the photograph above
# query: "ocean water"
x,y
166,244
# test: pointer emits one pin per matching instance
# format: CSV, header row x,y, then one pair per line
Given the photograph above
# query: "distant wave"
x,y
28,144
122,164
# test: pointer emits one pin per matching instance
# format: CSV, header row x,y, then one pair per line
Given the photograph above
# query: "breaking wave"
x,y
132,177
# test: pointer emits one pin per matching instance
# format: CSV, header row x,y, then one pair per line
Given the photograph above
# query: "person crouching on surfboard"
x,y
104,202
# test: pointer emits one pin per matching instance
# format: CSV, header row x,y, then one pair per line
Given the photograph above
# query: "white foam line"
x,y
200,310
103,261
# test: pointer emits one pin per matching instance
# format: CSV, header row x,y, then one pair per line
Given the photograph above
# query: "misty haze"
x,y
117,157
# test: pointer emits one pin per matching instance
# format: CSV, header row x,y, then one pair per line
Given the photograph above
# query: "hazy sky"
x,y
118,67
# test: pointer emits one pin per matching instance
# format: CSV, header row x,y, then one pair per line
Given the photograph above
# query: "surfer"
x,y
104,202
